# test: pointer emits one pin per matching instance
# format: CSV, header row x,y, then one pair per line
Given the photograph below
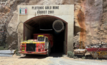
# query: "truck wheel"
x,y
48,52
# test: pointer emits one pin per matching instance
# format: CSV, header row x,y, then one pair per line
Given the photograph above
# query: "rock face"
x,y
9,18
90,22
8,24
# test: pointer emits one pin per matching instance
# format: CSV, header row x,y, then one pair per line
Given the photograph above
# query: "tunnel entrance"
x,y
43,25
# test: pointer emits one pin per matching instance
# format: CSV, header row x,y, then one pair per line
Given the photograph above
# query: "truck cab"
x,y
41,44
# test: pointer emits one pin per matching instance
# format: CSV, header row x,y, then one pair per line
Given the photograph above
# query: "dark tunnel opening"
x,y
43,25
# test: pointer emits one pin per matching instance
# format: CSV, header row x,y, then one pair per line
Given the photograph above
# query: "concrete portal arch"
x,y
35,24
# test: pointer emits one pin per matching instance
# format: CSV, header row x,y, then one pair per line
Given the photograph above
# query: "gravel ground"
x,y
63,61
43,60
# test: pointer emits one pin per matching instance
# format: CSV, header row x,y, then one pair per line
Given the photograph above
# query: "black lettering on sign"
x,y
38,7
41,12
47,7
55,7
50,12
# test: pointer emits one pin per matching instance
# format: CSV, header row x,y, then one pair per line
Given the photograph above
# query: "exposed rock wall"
x,y
90,22
90,19
10,19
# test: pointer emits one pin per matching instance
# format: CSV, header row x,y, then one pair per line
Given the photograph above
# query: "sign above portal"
x,y
36,10
45,9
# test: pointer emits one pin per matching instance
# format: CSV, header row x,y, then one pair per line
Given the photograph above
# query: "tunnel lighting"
x,y
46,29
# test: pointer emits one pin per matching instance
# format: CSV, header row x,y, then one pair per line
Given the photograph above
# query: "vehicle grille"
x,y
30,47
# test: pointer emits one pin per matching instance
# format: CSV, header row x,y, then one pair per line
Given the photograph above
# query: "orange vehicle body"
x,y
36,46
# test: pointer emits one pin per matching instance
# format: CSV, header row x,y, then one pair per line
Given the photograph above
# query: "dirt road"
x,y
43,60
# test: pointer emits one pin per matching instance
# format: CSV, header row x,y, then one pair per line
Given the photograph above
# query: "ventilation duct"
x,y
58,26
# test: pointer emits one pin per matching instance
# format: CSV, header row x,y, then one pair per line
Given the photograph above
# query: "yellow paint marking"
x,y
40,35
33,42
102,53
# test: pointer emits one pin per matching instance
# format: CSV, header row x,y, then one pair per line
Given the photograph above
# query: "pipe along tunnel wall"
x,y
49,25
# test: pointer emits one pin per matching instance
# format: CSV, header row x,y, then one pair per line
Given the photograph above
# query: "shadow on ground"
x,y
42,56
56,55
34,56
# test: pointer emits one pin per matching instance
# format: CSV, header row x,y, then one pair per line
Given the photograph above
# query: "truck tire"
x,y
48,50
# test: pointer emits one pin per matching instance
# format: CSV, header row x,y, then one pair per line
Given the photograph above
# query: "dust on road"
x,y
43,60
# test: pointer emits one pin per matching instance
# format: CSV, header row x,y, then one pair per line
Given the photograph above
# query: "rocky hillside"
x,y
90,20
8,17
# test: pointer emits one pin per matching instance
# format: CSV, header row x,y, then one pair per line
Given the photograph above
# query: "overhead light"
x,y
46,29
